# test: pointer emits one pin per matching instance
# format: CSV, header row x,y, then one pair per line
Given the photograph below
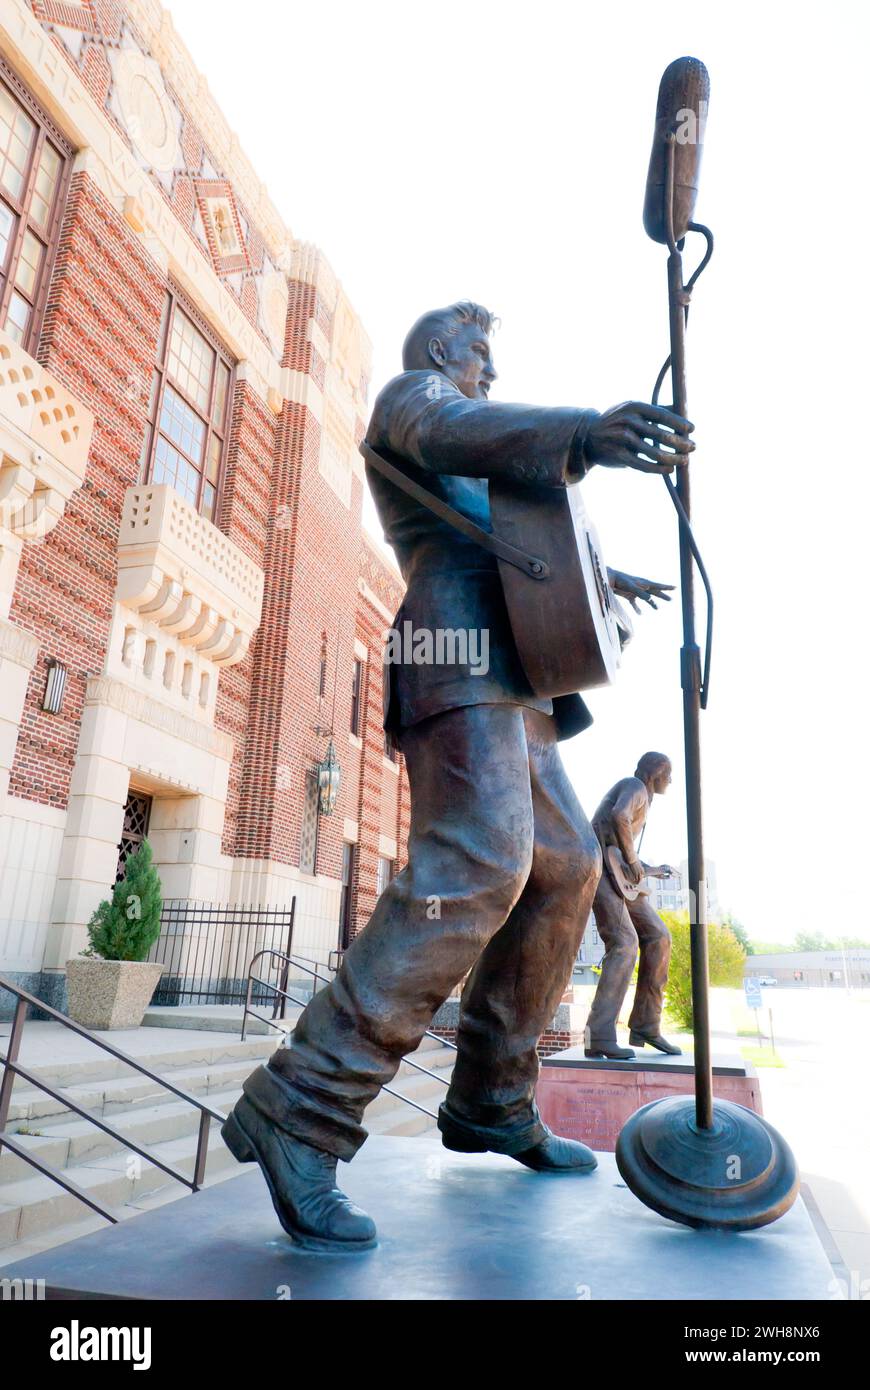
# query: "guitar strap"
x,y
529,564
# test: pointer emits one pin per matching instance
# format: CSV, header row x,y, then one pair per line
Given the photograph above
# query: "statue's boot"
x,y
655,1040
610,1049
552,1154
301,1181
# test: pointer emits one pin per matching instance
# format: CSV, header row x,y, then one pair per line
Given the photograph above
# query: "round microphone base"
x,y
736,1176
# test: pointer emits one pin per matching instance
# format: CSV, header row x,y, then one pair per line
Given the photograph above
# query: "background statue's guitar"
x,y
618,870
564,618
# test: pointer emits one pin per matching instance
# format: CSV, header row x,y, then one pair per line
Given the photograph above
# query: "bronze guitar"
x,y
620,876
566,625
564,617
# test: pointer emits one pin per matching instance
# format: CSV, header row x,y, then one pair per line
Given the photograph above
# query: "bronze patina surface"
x,y
502,864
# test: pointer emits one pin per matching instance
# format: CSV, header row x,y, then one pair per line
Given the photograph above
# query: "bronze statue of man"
x,y
627,926
502,862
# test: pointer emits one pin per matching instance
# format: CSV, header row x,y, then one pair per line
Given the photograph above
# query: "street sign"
x,y
752,990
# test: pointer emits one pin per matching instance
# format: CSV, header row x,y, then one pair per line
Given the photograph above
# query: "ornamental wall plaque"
x,y
148,114
223,229
273,307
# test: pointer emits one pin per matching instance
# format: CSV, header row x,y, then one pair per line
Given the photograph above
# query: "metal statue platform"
x,y
452,1227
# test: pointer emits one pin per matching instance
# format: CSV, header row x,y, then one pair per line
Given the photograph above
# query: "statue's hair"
x,y
442,323
650,764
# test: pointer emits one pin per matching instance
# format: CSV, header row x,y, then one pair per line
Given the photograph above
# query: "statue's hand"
x,y
663,871
635,871
634,435
632,587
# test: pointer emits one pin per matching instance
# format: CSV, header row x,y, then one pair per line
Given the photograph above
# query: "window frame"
x,y
357,697
384,879
131,840
346,898
176,299
49,236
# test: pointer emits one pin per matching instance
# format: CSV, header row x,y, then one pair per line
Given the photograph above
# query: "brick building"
x,y
189,609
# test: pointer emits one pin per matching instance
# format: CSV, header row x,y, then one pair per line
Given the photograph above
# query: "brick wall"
x,y
551,1040
99,338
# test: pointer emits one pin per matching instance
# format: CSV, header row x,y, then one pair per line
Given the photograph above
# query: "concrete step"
x,y
194,1050
71,1143
148,1115
110,1098
38,1241
35,1205
220,1018
35,1213
400,1119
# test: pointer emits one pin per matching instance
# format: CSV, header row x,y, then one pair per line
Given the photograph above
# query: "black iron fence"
x,y
207,949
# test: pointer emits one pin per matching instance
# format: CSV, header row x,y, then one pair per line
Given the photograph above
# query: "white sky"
x,y
499,153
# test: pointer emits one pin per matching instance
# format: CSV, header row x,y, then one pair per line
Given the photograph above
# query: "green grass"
x,y
761,1056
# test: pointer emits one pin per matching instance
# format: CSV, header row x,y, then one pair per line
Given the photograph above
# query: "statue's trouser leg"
x,y
469,855
620,938
517,983
652,974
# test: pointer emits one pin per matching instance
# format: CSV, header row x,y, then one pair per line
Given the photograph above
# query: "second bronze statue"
x,y
627,922
502,862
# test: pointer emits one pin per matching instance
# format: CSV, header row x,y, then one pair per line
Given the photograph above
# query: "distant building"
x,y
830,969
590,954
668,894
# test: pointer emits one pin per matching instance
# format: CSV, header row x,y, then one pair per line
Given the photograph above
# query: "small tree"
x,y
726,957
740,932
125,926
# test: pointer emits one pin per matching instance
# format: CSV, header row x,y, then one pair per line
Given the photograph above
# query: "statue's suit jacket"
x,y
452,445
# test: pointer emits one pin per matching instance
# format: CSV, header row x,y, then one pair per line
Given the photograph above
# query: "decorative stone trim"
x,y
18,646
45,434
302,389
105,156
103,690
149,115
155,27
371,597
179,570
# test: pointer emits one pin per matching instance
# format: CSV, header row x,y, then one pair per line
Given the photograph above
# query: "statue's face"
x,y
465,357
663,779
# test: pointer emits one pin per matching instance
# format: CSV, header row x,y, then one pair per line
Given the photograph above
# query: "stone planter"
x,y
106,994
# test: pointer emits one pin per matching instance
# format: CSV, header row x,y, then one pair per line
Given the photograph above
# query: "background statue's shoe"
x,y
557,1155
301,1181
609,1049
655,1040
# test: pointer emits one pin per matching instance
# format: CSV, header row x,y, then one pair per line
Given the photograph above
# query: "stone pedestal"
x,y
591,1099
451,1226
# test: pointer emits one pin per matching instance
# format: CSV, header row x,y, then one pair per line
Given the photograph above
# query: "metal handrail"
x,y
12,1068
289,960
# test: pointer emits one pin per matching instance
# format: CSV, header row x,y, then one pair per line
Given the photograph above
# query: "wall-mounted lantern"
x,y
328,780
55,685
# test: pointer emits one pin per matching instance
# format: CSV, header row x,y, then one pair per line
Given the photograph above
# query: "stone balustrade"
x,y
177,570
45,434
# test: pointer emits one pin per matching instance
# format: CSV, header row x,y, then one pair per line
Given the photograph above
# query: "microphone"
x,y
684,93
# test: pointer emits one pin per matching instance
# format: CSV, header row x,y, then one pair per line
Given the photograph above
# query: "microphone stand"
x,y
690,679
704,1162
